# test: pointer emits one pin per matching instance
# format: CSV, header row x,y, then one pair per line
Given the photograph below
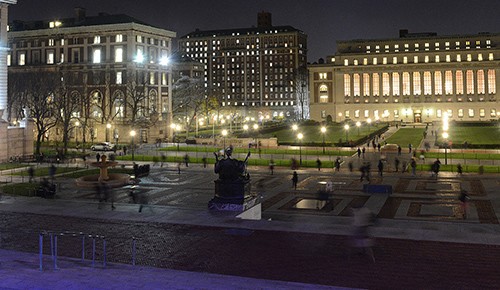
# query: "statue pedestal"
x,y
232,195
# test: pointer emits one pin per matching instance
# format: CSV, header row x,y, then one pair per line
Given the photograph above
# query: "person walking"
x,y
31,172
459,169
464,199
295,179
98,157
186,160
413,165
271,166
350,165
396,164
359,153
363,152
318,164
204,161
380,167
337,164
399,150
179,168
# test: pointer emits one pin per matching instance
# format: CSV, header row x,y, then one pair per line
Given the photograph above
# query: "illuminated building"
x,y
260,71
415,78
116,63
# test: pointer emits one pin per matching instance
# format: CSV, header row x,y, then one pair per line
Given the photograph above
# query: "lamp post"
x,y
358,124
256,128
300,136
132,134
108,126
224,134
346,128
369,121
445,136
323,131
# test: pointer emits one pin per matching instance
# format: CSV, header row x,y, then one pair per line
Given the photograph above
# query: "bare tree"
x,y
136,98
188,100
299,83
37,92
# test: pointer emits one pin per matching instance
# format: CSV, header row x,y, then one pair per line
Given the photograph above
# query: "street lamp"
x,y
323,131
132,134
224,134
300,136
346,128
358,124
256,128
108,126
369,121
445,136
295,127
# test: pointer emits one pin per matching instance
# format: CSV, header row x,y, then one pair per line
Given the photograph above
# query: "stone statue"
x,y
228,168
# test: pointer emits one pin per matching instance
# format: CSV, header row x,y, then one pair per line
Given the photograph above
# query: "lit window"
x,y
427,83
459,58
439,113
406,84
366,84
394,60
395,84
62,41
22,58
438,83
355,62
9,60
384,60
426,59
365,61
493,112
118,54
415,59
152,78
96,56
347,85
470,82
471,113
51,42
469,57
480,57
385,84
405,60
323,99
448,82
448,58
460,113
356,81
346,62
119,79
459,79
374,60
356,114
480,82
50,57
376,84
417,89
449,113
490,56
163,79
437,58
482,113
139,38
97,39
492,88
61,58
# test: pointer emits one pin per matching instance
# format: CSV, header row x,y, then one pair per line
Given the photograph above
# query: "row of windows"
x,y
408,113
418,59
281,103
418,83
118,54
427,46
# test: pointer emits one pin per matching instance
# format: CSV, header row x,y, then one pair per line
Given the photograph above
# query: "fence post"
x,y
55,251
104,251
93,251
83,246
40,250
133,251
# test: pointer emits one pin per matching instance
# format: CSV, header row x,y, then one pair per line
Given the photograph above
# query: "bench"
x,y
377,188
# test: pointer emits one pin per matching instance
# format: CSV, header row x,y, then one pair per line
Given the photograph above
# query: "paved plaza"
x,y
301,242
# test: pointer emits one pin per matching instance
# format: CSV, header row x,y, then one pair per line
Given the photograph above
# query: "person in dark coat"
x,y
295,179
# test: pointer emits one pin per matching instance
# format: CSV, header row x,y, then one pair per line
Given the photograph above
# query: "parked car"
x,y
104,146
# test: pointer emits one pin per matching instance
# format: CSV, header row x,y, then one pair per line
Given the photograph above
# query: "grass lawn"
x,y
5,166
23,189
473,135
44,171
405,136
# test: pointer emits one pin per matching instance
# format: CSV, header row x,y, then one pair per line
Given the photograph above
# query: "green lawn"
x,y
473,135
44,171
406,136
6,166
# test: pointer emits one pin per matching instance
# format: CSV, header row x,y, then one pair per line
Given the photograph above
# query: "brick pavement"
x,y
269,254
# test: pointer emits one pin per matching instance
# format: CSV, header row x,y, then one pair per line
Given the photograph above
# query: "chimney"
x,y
403,33
79,14
264,19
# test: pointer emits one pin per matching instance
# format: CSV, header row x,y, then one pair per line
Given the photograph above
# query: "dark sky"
x,y
324,21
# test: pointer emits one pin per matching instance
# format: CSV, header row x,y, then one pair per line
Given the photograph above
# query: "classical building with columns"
x,y
416,78
115,65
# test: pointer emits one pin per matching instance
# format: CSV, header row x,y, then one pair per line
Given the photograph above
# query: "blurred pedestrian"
x,y
179,168
163,159
413,164
31,173
380,167
204,161
295,179
351,167
98,157
186,160
271,166
399,150
52,172
396,164
459,169
464,199
363,152
143,200
318,164
359,152
337,164
362,220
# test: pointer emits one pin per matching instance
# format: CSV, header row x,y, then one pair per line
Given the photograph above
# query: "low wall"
x,y
15,141
238,142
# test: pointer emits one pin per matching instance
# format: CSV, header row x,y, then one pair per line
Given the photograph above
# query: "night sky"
x,y
324,21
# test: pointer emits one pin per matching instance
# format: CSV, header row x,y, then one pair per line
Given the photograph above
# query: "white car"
x,y
104,146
